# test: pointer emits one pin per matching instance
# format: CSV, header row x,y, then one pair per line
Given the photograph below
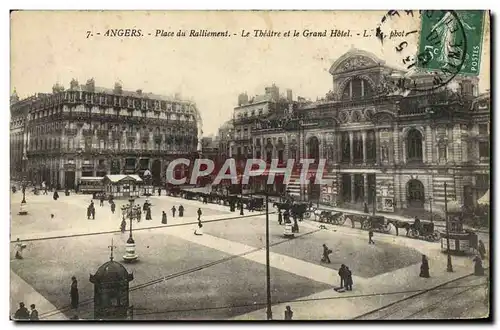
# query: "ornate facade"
x,y
383,142
92,131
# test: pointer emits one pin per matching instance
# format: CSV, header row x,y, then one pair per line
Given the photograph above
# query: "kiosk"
x,y
461,241
122,185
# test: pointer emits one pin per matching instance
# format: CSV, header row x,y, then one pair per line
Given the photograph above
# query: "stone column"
x,y
363,136
365,187
351,147
353,196
396,146
428,144
377,146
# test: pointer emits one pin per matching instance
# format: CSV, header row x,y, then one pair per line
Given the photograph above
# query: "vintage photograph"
x,y
250,165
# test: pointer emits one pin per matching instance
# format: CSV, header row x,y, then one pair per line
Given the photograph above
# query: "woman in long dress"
x,y
19,249
424,267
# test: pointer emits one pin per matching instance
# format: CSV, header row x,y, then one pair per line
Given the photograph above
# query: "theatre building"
x,y
93,131
396,147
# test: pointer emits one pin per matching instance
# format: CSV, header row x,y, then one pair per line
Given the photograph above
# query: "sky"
x,y
49,47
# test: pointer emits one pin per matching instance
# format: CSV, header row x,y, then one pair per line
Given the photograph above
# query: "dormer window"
x,y
357,88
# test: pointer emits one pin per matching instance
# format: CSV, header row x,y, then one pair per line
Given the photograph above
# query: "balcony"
x,y
117,135
158,137
102,133
87,132
131,135
144,135
71,131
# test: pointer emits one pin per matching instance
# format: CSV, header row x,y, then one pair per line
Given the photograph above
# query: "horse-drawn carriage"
x,y
423,230
376,223
331,217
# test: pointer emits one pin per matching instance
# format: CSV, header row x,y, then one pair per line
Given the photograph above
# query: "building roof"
x,y
111,271
119,177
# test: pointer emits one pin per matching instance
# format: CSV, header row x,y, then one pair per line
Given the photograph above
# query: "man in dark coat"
x,y
370,237
348,279
342,274
181,211
326,252
199,214
173,211
481,249
34,313
113,207
123,225
101,200
424,267
280,217
74,293
241,208
366,208
22,313
163,217
148,213
56,195
159,191
288,313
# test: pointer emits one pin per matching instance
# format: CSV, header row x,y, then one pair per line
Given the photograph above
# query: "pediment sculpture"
x,y
355,63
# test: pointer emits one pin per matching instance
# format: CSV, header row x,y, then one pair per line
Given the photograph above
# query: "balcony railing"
x,y
131,134
88,132
71,131
102,132
144,136
158,137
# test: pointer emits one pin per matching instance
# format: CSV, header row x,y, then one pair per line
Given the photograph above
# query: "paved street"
x,y
181,276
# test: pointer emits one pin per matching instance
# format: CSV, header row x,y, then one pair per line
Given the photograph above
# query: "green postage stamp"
x,y
451,41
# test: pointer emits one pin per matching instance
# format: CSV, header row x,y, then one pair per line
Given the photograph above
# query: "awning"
x,y
485,200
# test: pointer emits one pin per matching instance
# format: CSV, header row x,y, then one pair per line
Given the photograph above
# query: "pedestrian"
x,y
481,249
478,266
370,237
74,292
148,213
163,217
113,207
34,313
173,211
123,225
326,252
199,230
44,187
288,313
159,191
56,195
101,200
295,228
342,274
22,313
181,211
424,267
280,217
199,214
241,208
366,208
348,279
89,212
19,249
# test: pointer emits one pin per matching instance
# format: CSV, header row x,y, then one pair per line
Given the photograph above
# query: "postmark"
x,y
449,44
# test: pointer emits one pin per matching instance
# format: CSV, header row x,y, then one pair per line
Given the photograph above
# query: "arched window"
x,y
357,88
414,146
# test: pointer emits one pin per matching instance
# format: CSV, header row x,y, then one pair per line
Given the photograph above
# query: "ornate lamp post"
x,y
132,212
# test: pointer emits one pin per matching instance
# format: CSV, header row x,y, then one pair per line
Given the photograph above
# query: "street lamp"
x,y
132,212
449,266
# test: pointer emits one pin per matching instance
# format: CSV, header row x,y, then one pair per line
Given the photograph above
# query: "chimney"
x,y
139,91
289,95
242,99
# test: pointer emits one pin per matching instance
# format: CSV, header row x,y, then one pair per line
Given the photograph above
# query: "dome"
x,y
111,271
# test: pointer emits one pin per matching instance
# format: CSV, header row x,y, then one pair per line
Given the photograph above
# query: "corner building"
x,y
93,131
382,145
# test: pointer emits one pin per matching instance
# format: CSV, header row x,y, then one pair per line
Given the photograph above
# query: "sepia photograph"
x,y
250,165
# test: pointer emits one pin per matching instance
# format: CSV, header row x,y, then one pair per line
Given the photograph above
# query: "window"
x,y
484,149
357,88
483,129
414,145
